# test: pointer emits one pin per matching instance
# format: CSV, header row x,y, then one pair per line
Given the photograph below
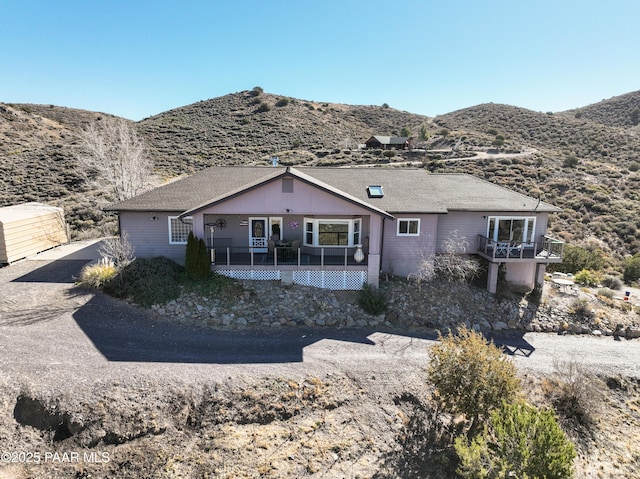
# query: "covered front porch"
x,y
222,254
329,252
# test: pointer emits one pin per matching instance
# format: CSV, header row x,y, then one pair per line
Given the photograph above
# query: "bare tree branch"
x,y
454,264
112,152
117,249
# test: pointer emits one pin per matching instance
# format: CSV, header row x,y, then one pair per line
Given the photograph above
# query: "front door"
x,y
258,234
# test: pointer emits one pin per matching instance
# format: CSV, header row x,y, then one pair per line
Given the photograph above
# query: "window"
x,y
308,233
179,229
332,232
287,185
508,229
357,224
375,191
409,227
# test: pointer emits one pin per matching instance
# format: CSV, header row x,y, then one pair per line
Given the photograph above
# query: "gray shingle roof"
x,y
405,190
390,140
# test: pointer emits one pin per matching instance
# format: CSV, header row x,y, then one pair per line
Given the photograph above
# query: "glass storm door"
x,y
258,234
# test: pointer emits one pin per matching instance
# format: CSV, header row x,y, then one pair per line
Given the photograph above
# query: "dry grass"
x,y
332,427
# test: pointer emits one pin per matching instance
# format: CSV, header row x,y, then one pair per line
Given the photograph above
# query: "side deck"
x,y
549,250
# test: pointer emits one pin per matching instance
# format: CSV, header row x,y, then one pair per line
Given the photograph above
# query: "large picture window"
x,y
179,229
408,227
511,229
332,232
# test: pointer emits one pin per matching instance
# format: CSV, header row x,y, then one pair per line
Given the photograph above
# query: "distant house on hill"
x,y
388,142
338,228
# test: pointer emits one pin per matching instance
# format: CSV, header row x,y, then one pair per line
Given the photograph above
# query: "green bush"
x,y
213,285
282,102
197,263
424,133
372,300
471,376
576,258
632,269
606,293
263,107
570,162
588,277
612,282
518,441
147,281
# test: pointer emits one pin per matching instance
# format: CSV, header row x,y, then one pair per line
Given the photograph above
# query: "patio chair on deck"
x,y
295,246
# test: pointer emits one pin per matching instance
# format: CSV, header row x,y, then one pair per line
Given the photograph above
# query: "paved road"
x,y
62,336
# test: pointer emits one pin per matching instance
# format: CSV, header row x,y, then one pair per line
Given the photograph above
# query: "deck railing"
x,y
251,256
549,249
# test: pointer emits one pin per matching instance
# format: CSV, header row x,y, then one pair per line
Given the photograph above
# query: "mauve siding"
x,y
467,225
269,201
151,237
402,254
470,224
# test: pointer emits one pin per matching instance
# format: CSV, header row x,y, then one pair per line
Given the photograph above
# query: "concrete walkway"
x,y
77,250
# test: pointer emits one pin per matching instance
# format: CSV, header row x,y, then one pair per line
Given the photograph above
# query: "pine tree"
x,y
191,260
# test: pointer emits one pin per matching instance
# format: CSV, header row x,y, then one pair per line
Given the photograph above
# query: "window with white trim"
x,y
408,227
357,226
179,229
511,229
332,232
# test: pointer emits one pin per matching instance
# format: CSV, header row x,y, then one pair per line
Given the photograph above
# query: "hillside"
x,y
588,169
622,110
250,126
586,161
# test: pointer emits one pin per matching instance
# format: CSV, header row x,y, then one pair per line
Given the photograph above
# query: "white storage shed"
x,y
30,228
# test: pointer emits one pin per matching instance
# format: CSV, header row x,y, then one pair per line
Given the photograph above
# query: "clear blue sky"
x,y
137,58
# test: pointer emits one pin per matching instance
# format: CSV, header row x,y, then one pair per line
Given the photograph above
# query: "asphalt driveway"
x,y
61,335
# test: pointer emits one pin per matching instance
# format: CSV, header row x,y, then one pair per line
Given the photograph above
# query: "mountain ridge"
x,y
584,160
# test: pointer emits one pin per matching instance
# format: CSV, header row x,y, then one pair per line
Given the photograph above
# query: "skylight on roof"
x,y
375,191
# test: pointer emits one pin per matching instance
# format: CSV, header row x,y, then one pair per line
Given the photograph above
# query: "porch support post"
x,y
541,269
492,278
373,269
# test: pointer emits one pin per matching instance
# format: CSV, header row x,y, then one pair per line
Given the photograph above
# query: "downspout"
x,y
381,246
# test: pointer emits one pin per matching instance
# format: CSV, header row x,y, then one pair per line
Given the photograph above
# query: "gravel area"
x,y
83,373
55,332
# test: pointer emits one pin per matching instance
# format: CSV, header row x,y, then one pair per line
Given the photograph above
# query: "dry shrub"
x,y
96,275
453,265
574,392
582,308
117,249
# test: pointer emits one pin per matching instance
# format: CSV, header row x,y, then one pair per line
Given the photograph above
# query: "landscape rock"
x,y
434,306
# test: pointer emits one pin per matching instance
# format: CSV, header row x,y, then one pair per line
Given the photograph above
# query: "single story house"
x,y
340,227
388,142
